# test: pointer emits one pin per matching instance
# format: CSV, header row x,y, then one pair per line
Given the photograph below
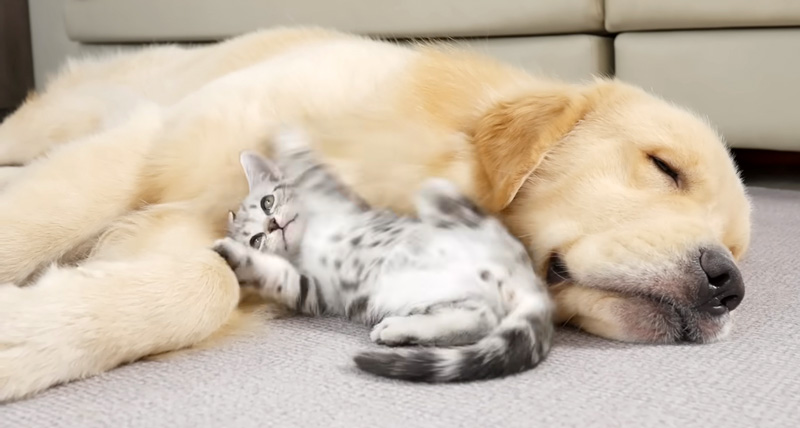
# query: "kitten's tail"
x,y
519,343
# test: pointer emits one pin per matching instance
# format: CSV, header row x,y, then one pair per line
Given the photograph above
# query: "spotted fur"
x,y
453,279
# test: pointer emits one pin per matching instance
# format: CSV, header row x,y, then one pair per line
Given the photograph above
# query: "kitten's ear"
x,y
258,169
231,217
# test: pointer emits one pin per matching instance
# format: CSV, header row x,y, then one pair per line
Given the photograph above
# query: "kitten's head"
x,y
269,219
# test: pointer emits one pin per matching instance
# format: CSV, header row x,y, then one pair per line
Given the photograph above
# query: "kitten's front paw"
x,y
279,280
233,252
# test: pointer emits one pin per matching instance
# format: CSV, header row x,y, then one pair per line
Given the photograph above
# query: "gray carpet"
x,y
298,373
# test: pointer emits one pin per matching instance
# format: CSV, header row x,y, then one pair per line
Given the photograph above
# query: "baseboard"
x,y
766,158
769,168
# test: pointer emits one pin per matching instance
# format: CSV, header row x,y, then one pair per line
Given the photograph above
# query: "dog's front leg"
x,y
171,292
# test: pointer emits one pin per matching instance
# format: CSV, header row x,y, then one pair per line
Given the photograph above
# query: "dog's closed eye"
x,y
666,169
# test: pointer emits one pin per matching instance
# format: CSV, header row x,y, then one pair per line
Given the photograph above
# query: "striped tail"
x,y
519,343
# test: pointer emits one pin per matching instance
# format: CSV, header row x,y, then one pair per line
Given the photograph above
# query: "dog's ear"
x,y
512,138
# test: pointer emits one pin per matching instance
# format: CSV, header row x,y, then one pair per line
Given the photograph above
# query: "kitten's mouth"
x,y
283,232
290,222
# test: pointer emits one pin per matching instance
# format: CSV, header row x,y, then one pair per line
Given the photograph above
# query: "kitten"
x,y
454,280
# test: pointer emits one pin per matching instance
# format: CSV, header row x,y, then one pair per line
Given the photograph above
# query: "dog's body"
x,y
132,166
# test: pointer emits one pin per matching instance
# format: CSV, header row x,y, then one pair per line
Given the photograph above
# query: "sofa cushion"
x,y
635,15
573,57
181,20
745,81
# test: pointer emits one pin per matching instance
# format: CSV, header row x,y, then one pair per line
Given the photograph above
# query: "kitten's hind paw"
x,y
437,187
291,139
391,331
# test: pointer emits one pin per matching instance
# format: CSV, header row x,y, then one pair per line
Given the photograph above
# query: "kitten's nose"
x,y
272,225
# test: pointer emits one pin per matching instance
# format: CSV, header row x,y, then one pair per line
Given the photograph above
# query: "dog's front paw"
x,y
233,252
33,355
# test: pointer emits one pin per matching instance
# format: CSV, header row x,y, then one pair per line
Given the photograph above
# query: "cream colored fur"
x,y
132,165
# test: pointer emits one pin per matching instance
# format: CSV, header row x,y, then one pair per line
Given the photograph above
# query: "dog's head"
x,y
631,207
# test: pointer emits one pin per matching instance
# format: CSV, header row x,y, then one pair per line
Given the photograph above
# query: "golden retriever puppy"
x,y
631,207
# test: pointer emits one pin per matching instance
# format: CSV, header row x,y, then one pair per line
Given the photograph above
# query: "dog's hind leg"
x,y
58,117
71,195
171,292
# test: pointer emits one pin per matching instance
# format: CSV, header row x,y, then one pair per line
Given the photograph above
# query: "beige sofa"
x,y
736,61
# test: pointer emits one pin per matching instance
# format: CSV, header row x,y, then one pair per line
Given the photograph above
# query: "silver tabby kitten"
x,y
454,280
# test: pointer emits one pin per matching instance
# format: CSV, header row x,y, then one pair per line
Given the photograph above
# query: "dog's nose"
x,y
723,289
272,225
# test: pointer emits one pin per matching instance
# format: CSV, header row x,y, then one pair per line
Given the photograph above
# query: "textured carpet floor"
x,y
298,373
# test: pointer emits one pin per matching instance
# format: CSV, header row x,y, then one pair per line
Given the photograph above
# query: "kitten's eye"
x,y
666,169
267,204
257,240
